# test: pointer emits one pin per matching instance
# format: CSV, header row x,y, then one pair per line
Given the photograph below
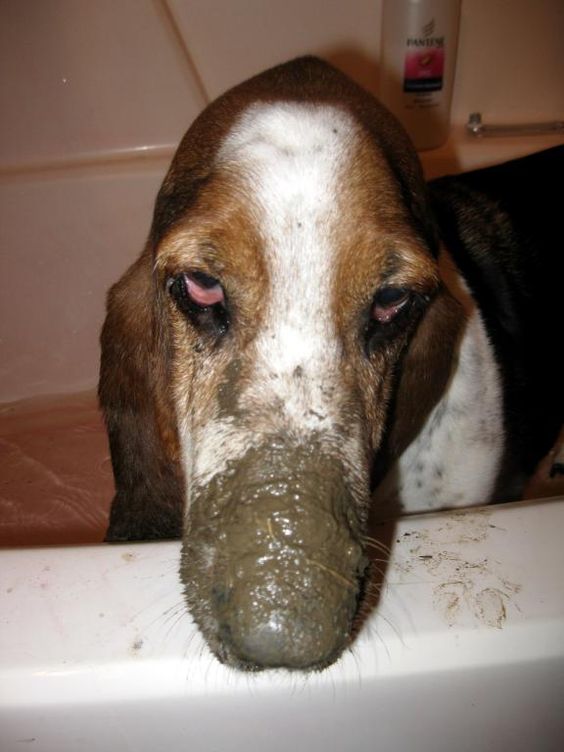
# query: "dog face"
x,y
290,264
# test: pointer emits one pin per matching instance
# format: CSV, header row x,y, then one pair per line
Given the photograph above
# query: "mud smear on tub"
x,y
136,646
469,586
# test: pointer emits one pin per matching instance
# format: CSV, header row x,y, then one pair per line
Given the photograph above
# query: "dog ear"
x,y
427,367
138,412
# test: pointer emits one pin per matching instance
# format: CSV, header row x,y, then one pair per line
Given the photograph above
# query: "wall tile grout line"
x,y
99,161
169,18
128,157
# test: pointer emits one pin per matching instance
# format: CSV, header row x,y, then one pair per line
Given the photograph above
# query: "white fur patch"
x,y
294,155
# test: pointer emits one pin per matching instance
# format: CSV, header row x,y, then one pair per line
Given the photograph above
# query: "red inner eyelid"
x,y
385,313
203,296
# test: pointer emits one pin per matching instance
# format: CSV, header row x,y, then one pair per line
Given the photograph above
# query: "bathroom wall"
x,y
95,95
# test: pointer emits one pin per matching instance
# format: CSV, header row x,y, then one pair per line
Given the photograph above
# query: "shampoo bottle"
x,y
419,43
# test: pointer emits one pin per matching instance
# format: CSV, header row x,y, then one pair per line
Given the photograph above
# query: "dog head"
x,y
256,349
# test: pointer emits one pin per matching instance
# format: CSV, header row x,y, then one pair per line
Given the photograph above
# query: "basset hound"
x,y
312,330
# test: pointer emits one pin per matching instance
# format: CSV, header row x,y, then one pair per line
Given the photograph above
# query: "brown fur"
x,y
380,245
425,371
134,393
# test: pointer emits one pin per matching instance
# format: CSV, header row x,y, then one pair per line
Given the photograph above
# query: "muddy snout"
x,y
287,565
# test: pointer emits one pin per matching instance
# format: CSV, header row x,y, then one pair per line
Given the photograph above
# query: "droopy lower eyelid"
x,y
389,303
203,290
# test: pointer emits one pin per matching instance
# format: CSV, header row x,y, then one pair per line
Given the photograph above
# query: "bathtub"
x,y
463,651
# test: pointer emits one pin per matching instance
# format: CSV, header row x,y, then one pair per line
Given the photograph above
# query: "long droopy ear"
x,y
138,412
426,369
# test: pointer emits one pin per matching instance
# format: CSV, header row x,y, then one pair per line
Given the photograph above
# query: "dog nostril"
x,y
276,643
263,643
271,626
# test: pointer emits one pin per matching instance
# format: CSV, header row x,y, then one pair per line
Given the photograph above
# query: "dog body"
x,y
294,342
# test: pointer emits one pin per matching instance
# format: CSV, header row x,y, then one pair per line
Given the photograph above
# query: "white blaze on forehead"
x,y
293,158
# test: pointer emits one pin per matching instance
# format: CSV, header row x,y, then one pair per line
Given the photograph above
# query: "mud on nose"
x,y
279,537
269,643
269,628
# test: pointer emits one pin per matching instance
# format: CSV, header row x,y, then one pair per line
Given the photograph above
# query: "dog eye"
x,y
202,289
388,302
202,299
196,289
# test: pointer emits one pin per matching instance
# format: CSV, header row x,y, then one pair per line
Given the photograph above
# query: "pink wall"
x,y
95,95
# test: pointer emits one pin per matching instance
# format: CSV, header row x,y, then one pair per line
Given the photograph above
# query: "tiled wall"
x,y
95,94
